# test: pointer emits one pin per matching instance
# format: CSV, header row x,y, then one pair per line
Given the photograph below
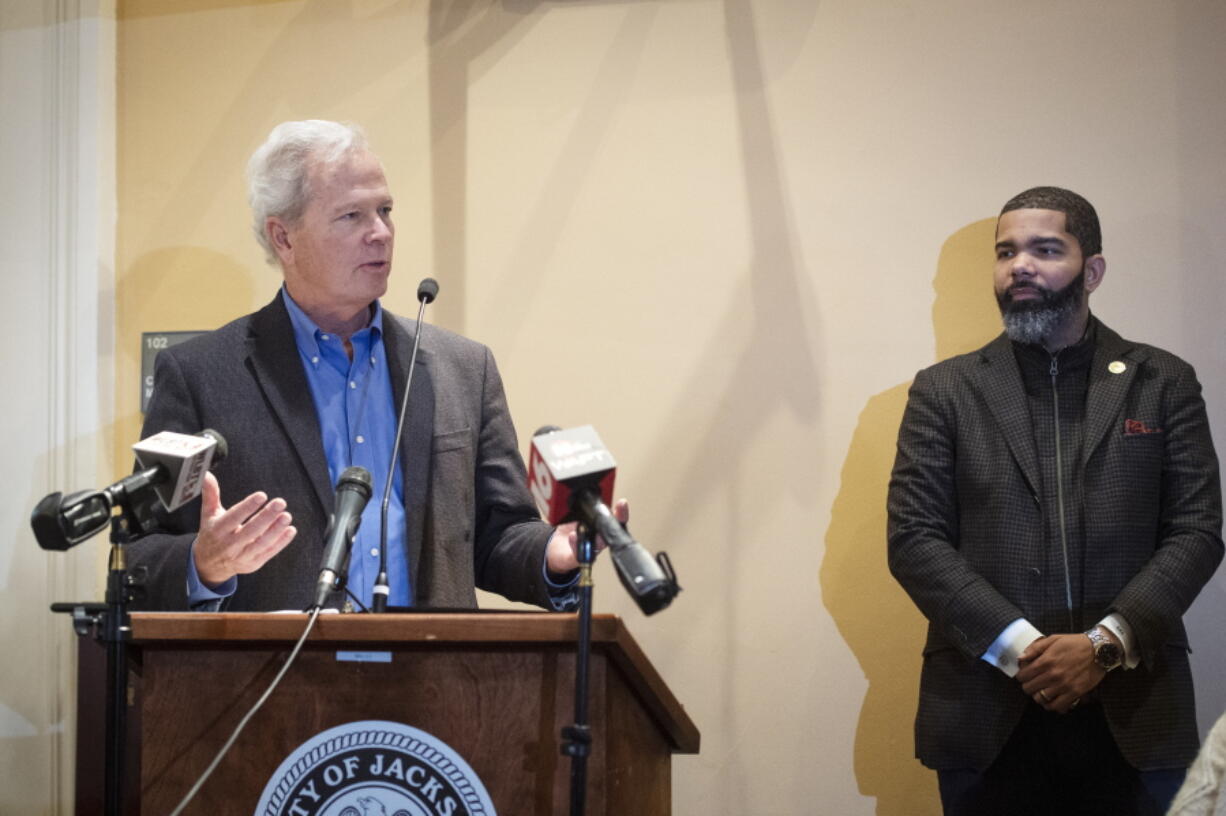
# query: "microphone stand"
x,y
427,290
116,629
577,737
111,624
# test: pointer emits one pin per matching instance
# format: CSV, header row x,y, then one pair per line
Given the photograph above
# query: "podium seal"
x,y
374,768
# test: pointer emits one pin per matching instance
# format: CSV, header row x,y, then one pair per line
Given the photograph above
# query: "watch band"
x,y
1107,654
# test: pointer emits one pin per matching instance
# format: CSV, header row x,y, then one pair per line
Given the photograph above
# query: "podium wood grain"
x,y
496,687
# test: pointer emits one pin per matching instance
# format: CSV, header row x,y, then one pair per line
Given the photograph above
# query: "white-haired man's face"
x,y
338,256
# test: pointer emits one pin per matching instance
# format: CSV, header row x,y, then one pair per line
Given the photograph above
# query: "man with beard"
x,y
1053,510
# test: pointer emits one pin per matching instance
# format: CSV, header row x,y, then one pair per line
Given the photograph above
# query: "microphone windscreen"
x,y
561,462
427,290
356,477
183,458
221,449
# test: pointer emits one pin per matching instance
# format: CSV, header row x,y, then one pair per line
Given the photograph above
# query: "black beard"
x,y
1033,321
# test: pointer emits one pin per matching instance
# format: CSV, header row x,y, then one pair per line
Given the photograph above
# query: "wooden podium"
x,y
497,687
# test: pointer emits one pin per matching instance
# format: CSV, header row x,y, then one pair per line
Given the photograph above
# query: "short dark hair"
x,y
1080,219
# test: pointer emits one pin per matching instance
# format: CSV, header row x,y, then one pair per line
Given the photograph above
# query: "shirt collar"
x,y
1071,357
307,333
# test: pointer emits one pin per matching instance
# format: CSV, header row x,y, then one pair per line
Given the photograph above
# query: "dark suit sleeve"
x,y
509,551
923,529
1189,544
164,554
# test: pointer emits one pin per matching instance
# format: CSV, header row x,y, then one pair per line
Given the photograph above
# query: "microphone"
x,y
181,461
171,464
562,463
570,474
427,291
353,491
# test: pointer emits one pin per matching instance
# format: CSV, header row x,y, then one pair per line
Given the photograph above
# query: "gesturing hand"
x,y
241,539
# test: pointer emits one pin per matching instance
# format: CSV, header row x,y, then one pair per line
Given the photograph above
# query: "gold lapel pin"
x,y
1116,367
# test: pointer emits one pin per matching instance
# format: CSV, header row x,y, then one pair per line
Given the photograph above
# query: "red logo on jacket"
x,y
1132,427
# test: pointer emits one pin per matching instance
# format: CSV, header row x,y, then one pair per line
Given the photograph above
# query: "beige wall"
x,y
727,234
57,221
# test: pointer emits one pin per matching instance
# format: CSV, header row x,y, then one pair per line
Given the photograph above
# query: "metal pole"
x,y
577,738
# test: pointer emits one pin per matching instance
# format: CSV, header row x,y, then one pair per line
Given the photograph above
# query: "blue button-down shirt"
x,y
357,419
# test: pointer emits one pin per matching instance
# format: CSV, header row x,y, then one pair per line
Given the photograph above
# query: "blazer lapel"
x,y
1000,384
273,356
1108,386
416,444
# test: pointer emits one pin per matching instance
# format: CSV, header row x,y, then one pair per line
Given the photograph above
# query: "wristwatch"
x,y
1107,654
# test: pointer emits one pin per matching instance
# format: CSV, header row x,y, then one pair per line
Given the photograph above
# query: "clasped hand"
x,y
1056,671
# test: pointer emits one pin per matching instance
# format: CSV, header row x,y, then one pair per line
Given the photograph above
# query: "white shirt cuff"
x,y
1004,651
1116,625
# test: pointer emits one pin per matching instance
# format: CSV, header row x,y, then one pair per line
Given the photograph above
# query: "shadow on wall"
x,y
874,615
454,50
168,290
732,396
462,38
458,35
275,89
173,288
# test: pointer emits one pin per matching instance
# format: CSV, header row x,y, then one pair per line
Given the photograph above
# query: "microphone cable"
x,y
243,722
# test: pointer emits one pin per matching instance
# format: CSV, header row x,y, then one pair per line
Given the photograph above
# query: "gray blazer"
x,y
966,542
469,518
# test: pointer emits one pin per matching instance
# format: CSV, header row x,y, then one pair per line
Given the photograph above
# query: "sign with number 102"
x,y
150,344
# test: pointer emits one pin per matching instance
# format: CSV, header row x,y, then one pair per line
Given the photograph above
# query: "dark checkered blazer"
x,y
966,541
469,518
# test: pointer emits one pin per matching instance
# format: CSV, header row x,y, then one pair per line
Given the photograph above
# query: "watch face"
x,y
1107,655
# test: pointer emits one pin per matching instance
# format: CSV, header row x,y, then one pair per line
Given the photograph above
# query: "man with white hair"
x,y
309,386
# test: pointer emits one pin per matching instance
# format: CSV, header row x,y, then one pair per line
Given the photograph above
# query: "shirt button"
x,y
372,360
374,552
361,439
314,359
323,337
352,384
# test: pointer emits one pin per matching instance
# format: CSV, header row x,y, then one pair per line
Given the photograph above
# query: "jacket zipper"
x,y
1068,581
